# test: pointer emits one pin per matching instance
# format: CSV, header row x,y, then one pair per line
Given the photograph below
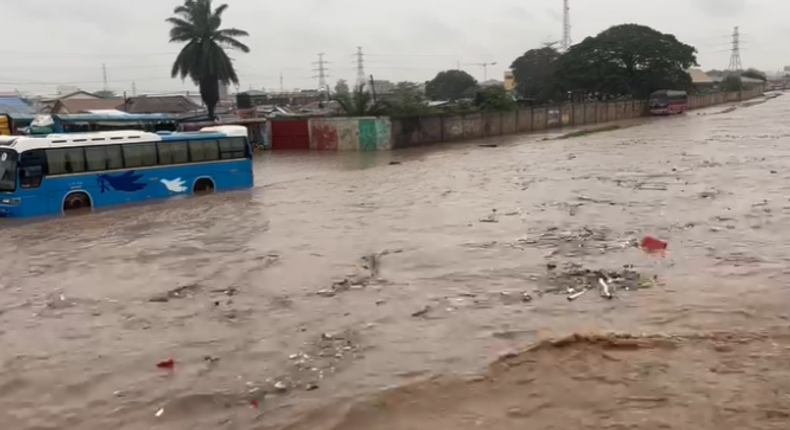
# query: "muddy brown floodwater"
x,y
341,275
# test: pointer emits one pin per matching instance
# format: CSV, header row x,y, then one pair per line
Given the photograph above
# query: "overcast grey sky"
x,y
48,43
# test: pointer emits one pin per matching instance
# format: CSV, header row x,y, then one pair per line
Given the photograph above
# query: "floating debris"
x,y
575,296
422,312
492,218
176,293
574,281
168,364
651,244
159,412
605,291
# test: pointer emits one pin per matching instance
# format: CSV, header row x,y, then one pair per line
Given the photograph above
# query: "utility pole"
x,y
566,25
485,69
360,67
373,90
735,57
104,74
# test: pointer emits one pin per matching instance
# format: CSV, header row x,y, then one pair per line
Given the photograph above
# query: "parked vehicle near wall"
x,y
668,102
85,123
61,173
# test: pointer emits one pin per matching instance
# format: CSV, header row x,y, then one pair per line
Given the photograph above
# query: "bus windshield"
x,y
7,170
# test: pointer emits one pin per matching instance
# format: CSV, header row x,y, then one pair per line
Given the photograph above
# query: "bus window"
x,y
31,169
142,155
65,161
173,153
232,148
203,150
105,157
7,171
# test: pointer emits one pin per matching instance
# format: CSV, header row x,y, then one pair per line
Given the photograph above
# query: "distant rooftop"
x,y
10,105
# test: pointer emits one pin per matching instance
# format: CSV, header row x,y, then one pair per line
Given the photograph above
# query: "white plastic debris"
x,y
573,297
159,412
606,291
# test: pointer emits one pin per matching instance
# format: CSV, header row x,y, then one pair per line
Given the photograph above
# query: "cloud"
x,y
722,7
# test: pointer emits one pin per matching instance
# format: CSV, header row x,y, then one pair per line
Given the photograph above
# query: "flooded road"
x,y
342,274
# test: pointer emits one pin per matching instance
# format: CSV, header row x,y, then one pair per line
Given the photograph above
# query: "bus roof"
x,y
27,143
124,117
668,93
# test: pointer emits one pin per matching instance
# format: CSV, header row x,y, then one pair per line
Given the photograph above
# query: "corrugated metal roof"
x,y
15,106
699,77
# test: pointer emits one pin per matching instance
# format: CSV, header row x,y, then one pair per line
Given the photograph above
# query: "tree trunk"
x,y
209,92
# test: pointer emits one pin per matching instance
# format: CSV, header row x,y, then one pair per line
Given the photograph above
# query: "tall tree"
x,y
533,73
105,94
406,98
451,85
754,74
732,83
494,98
626,60
341,87
204,59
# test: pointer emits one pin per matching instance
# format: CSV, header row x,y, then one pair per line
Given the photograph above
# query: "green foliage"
x,y
494,98
341,87
203,59
754,74
451,85
406,99
626,60
732,83
105,94
533,73
357,103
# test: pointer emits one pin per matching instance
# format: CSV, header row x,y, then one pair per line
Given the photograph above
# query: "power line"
x,y
735,57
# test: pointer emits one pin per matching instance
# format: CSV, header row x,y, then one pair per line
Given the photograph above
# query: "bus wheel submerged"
x,y
75,202
203,186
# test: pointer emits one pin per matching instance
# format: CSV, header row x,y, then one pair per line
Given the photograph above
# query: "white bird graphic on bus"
x,y
174,185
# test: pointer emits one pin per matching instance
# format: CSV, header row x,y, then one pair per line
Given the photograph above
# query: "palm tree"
x,y
357,103
203,58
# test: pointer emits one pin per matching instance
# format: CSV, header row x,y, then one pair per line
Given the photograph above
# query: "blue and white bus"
x,y
61,173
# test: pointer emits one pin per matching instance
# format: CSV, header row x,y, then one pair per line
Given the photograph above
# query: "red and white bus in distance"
x,y
668,102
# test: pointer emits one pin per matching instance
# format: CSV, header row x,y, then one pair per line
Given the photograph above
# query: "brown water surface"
x,y
341,274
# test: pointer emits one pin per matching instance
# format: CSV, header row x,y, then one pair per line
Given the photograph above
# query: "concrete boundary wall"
x,y
383,133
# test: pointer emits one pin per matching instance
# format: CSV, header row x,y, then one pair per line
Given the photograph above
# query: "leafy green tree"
x,y
754,74
341,87
732,83
626,60
106,94
406,99
494,98
204,59
533,73
451,85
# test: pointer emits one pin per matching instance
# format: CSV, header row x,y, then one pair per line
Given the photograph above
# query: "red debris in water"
x,y
651,244
167,364
255,404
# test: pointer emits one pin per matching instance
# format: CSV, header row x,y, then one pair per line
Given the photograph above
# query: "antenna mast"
x,y
566,26
735,57
361,79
